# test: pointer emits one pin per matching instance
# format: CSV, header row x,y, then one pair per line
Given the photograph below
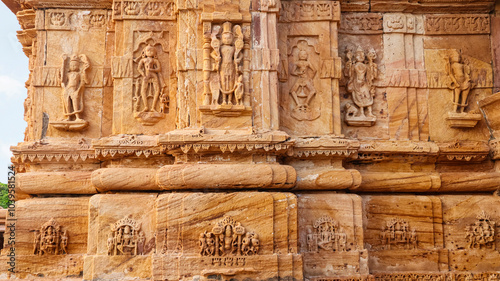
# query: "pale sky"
x,y
13,74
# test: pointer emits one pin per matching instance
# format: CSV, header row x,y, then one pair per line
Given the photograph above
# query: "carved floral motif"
x,y
50,239
327,235
229,238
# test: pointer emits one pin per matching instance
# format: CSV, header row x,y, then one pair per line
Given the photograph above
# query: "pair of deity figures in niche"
x,y
360,71
327,236
227,64
397,232
50,239
481,234
229,238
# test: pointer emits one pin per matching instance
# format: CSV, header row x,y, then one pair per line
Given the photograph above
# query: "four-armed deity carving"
x,y
50,239
73,81
327,235
229,238
481,234
360,72
225,71
397,232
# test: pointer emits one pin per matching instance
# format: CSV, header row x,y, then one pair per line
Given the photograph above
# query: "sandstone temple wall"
x,y
258,140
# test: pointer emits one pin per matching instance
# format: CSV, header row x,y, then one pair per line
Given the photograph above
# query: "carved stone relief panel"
x,y
144,67
395,230
71,81
456,82
50,239
308,70
330,236
246,234
470,231
364,42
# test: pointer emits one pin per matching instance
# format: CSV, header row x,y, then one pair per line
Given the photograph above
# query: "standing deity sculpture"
x,y
227,53
150,95
360,74
73,81
303,89
459,72
460,83
225,70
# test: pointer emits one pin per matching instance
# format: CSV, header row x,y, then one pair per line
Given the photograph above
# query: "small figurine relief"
x,y
73,81
151,96
481,234
50,239
459,72
360,74
126,238
229,238
398,233
137,9
327,235
225,53
303,90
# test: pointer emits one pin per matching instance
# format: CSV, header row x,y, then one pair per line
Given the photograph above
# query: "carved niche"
x,y
73,81
303,89
327,235
481,234
50,239
226,69
459,72
229,238
126,238
150,92
360,71
397,233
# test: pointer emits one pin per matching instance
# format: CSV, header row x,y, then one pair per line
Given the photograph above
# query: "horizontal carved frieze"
x,y
361,23
300,11
147,10
457,24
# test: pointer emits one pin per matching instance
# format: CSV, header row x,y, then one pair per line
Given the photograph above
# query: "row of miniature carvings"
x,y
229,242
420,276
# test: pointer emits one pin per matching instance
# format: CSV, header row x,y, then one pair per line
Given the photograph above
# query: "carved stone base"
x,y
226,110
149,118
360,121
77,125
308,114
463,120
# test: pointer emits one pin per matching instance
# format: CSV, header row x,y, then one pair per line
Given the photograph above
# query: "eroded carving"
x,y
229,238
126,238
360,74
303,89
327,235
73,81
481,234
50,239
397,233
459,72
151,96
